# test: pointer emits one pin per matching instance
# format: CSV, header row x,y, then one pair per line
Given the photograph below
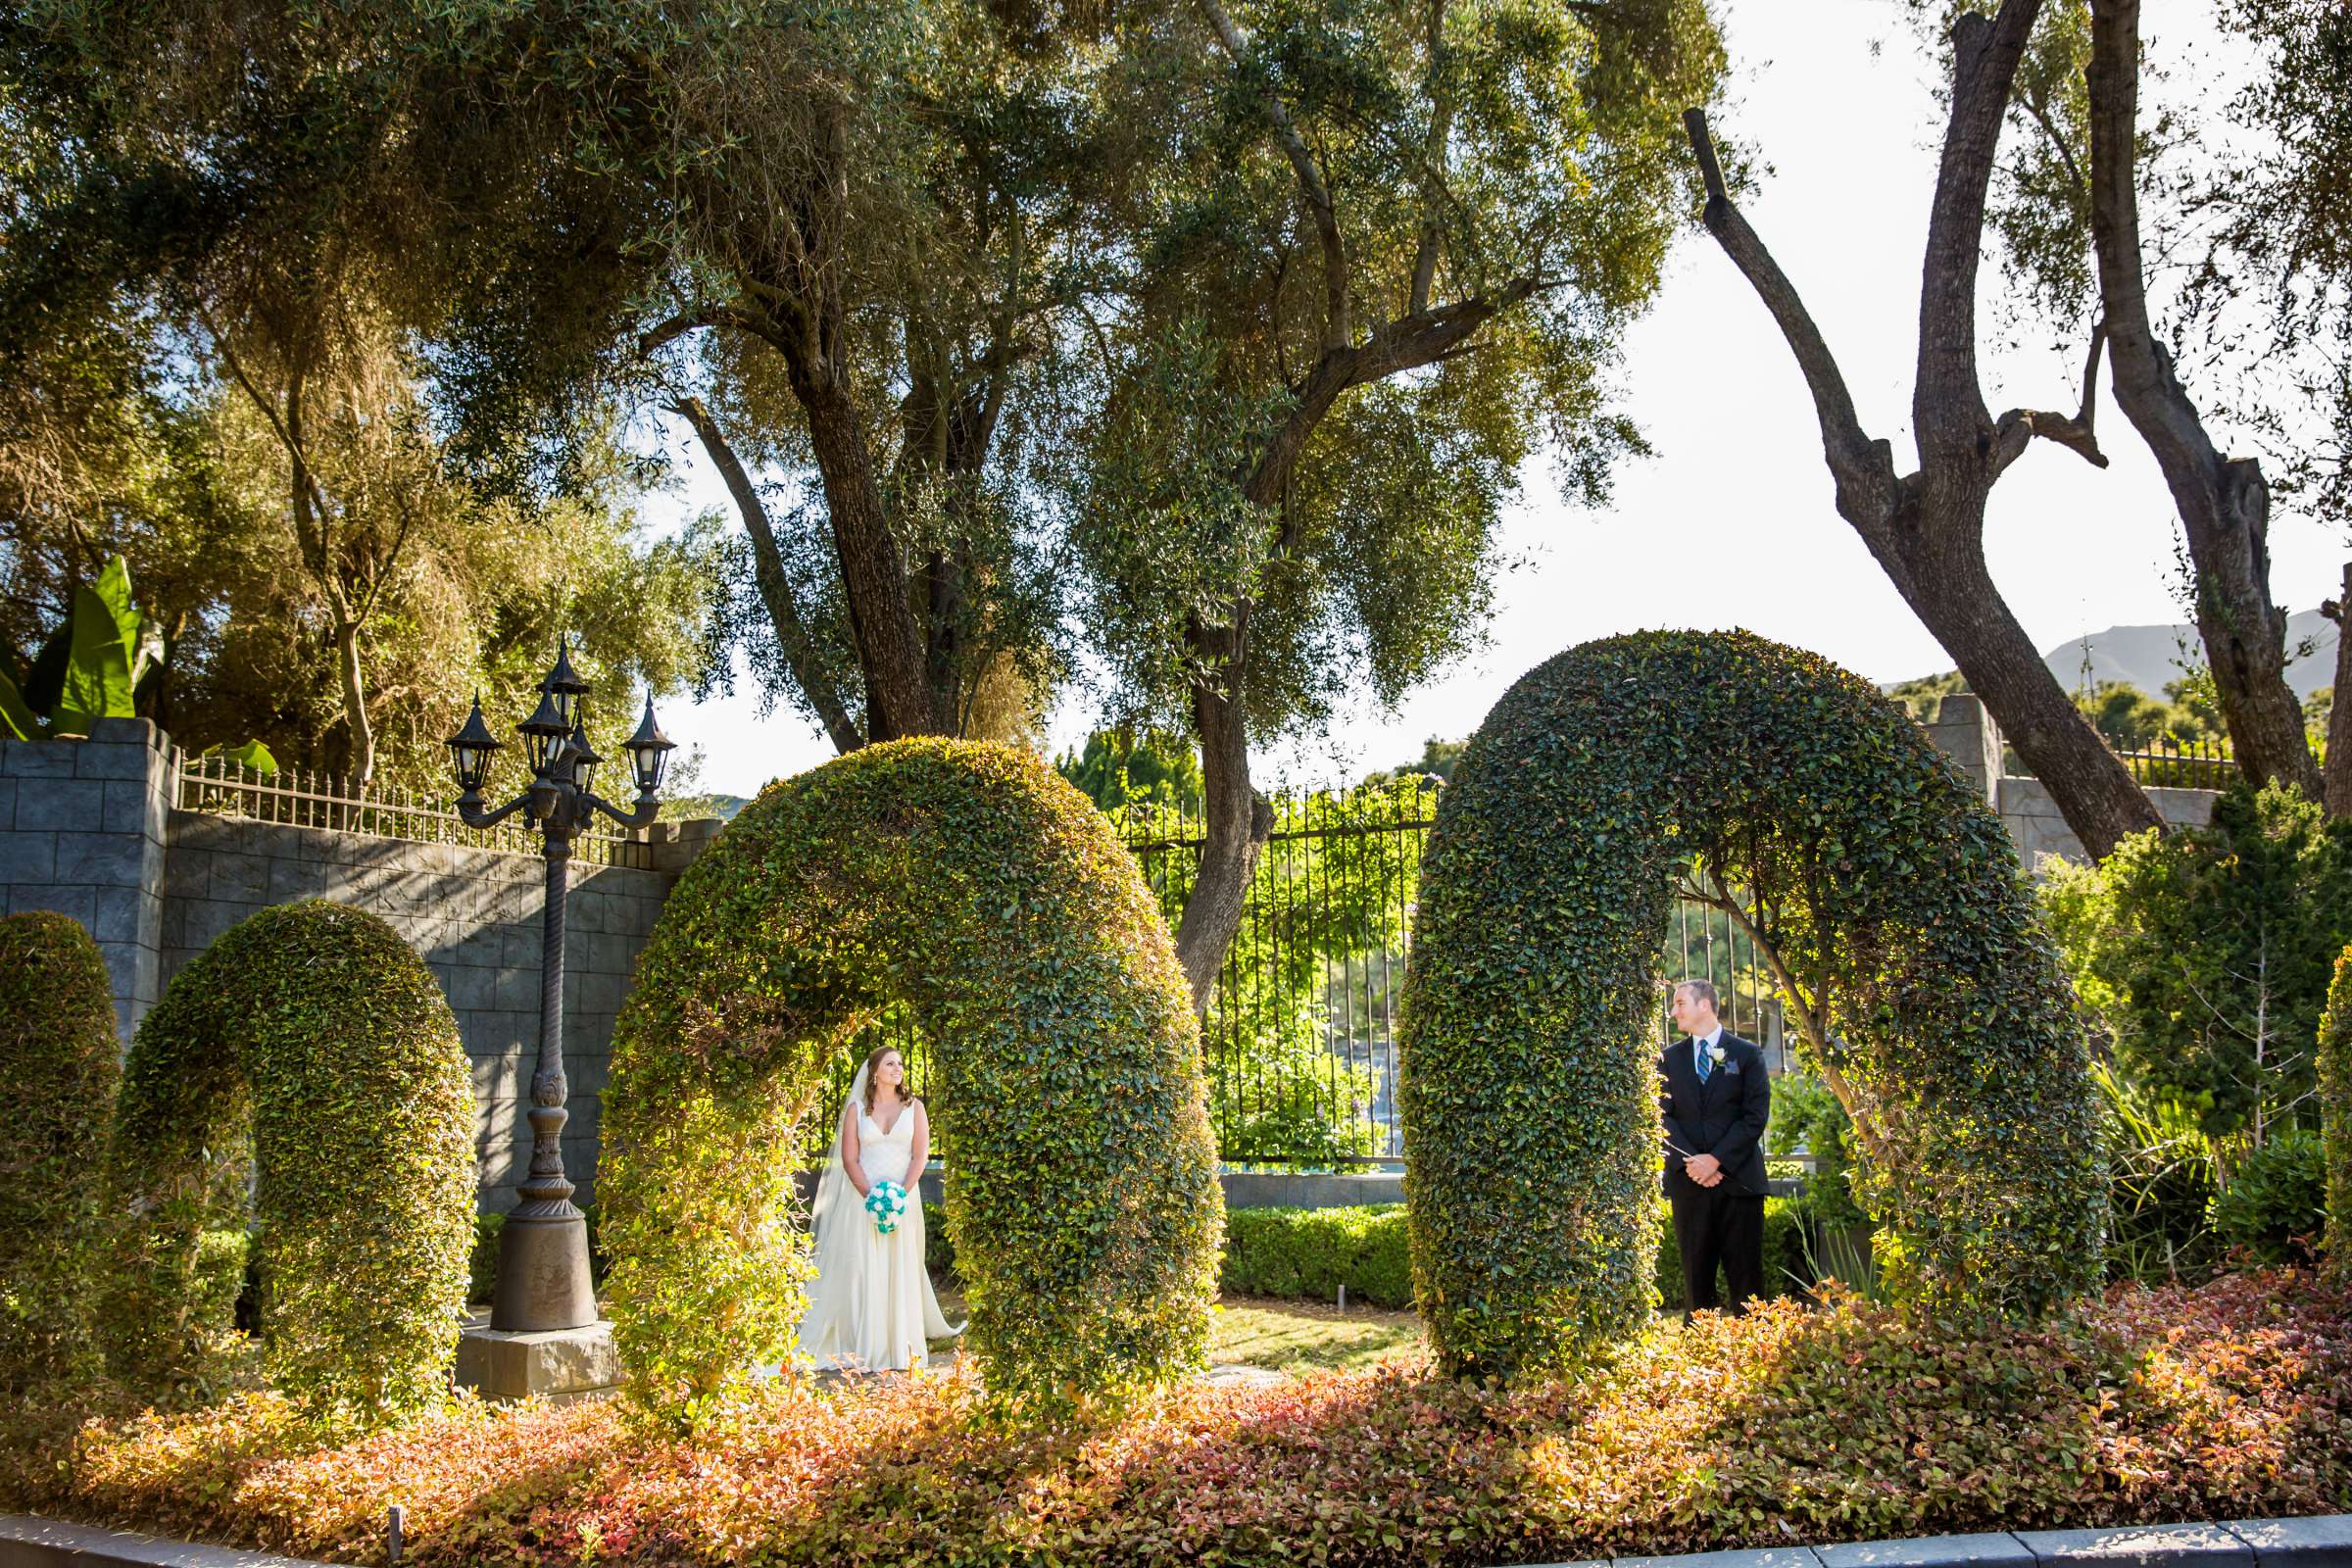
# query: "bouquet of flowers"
x,y
886,1203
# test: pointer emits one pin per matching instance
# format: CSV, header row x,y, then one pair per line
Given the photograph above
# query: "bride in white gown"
x,y
872,1307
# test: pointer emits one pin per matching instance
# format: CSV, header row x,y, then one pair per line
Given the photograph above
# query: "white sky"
x,y
1731,522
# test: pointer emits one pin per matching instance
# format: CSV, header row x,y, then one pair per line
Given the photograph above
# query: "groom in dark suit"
x,y
1715,1099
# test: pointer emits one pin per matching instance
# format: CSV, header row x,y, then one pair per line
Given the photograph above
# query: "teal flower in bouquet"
x,y
886,1203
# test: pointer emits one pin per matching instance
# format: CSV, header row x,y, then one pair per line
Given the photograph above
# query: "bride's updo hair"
x,y
873,1061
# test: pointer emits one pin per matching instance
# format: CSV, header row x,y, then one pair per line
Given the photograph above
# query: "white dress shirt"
x,y
1699,1042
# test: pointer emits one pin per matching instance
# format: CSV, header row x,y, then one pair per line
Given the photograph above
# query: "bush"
x,y
2206,954
311,1035
60,1065
2275,1203
974,885
1783,1426
1309,1254
1528,1081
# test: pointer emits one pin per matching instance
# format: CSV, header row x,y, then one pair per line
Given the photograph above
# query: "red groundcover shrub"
x,y
2233,1400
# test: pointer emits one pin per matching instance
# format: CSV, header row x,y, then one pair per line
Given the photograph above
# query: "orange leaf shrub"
x,y
2233,1400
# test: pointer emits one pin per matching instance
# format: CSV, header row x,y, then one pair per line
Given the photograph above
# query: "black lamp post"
x,y
542,1280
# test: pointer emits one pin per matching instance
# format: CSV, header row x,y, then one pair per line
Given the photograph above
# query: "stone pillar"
x,y
82,832
1966,734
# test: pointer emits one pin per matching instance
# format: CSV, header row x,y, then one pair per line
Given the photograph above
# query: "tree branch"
x,y
1338,329
1948,400
1863,469
793,635
2074,431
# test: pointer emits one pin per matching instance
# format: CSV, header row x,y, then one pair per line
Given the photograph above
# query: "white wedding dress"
x,y
872,1306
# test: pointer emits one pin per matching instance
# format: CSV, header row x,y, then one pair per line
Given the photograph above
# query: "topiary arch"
x,y
312,1045
1888,892
973,883
60,1062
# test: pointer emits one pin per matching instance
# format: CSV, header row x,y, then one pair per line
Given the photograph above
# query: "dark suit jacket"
x,y
1724,1117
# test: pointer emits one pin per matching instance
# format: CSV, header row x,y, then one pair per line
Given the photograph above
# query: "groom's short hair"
x,y
1701,990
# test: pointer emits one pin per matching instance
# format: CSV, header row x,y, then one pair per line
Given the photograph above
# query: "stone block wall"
x,y
474,916
88,828
1966,734
83,832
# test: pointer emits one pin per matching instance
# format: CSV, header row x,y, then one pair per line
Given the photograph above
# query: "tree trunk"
x,y
2339,706
1962,607
873,573
1237,818
355,705
1927,529
2224,506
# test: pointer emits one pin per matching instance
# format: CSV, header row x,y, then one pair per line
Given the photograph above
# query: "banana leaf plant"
x,y
92,666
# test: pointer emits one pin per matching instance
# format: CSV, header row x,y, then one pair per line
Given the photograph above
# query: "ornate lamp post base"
x,y
559,1366
543,1274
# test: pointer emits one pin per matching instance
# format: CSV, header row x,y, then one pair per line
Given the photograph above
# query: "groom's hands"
x,y
1703,1169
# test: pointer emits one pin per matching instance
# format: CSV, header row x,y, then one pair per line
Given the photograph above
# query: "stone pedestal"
x,y
560,1364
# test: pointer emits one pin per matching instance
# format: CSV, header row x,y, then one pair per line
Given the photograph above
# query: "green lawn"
x,y
1284,1336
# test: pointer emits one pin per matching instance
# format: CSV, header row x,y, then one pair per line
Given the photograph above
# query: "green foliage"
x,y
87,668
1923,697
2206,954
972,884
1437,758
1309,1253
1807,1115
1529,1080
310,1045
2334,1074
60,1064
2164,1177
2275,1204
1122,767
2130,719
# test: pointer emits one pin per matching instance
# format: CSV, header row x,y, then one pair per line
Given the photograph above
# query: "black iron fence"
x,y
1300,1043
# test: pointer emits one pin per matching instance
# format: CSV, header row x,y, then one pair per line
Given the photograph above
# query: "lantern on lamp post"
x,y
543,1278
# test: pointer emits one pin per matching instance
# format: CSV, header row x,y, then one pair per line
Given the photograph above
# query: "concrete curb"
x,y
29,1543
2323,1540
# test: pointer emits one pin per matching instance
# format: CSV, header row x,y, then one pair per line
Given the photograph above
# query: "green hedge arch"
x,y
61,1063
311,1046
1531,998
2334,1072
973,883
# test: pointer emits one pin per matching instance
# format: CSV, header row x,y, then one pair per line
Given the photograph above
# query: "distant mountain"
x,y
2149,656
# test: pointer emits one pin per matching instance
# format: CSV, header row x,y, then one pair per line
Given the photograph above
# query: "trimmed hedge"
x,y
312,1041
60,1065
2334,1070
1309,1254
974,884
1528,1076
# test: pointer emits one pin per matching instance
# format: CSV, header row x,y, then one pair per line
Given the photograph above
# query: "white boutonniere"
x,y
1715,1054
